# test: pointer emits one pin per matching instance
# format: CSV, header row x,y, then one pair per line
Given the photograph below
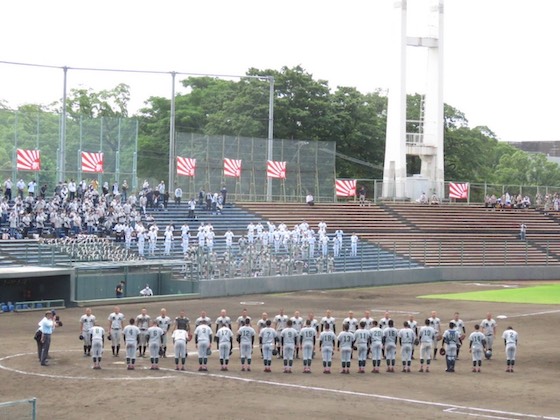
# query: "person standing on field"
x,y
115,327
477,344
406,341
46,326
451,340
131,335
308,335
427,337
327,341
87,322
224,337
154,334
488,326
267,340
97,339
246,339
361,341
510,337
180,338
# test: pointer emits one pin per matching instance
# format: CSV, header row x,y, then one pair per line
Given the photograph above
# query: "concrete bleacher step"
x,y
237,217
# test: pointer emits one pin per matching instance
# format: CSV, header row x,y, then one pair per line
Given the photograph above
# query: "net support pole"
x,y
270,133
62,148
172,134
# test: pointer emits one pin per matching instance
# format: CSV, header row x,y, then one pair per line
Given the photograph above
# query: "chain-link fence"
x,y
116,138
310,167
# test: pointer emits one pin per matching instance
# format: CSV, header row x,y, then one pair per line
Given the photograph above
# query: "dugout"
x,y
95,281
30,283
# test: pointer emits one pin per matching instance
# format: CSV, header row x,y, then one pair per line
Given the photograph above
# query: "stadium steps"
x,y
29,252
237,217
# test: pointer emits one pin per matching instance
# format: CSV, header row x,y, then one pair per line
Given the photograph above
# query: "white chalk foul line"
x,y
455,411
374,396
446,407
103,378
52,376
555,311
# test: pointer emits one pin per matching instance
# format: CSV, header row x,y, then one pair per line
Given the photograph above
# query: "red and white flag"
x,y
232,167
28,160
458,190
185,166
92,162
345,187
276,169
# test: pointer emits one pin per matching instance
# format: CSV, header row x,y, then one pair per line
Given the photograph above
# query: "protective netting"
x,y
310,167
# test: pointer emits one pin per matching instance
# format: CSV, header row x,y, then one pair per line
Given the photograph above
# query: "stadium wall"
x,y
99,286
95,285
257,285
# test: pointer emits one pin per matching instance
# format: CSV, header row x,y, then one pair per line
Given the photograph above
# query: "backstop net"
x,y
309,167
20,410
116,139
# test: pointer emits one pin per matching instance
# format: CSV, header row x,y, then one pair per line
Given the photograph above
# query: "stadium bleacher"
x,y
392,235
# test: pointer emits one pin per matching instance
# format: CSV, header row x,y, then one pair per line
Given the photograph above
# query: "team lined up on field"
x,y
290,338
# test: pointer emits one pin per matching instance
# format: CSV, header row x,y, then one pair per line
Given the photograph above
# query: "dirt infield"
x,y
70,389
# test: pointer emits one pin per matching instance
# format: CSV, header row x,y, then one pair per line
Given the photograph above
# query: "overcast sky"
x,y
501,63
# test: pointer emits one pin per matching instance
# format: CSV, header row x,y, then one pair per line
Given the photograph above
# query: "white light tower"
x,y
428,142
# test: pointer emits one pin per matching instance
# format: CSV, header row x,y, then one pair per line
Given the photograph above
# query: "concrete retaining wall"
x,y
258,285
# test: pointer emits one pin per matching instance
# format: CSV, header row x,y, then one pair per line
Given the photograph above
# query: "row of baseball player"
x,y
285,337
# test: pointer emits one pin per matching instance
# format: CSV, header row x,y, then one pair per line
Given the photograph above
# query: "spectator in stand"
x,y
423,199
224,195
165,200
309,200
72,189
115,189
178,195
161,187
434,199
192,207
8,189
105,188
208,201
201,197
43,191
124,190
20,187
522,231
362,195
31,188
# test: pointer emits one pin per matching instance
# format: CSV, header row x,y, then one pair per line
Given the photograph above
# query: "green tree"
x,y
522,168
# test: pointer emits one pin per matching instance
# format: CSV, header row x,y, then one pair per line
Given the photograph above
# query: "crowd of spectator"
x,y
270,251
85,220
507,201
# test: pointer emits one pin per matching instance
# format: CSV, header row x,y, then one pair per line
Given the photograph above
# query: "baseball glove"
x,y
416,342
354,348
81,337
161,352
442,351
275,352
208,351
109,337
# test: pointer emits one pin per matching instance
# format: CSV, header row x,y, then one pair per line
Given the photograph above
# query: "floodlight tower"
x,y
428,142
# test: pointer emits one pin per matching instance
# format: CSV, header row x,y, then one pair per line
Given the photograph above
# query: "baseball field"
x,y
70,389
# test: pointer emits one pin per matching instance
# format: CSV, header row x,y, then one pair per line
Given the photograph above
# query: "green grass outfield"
x,y
546,294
